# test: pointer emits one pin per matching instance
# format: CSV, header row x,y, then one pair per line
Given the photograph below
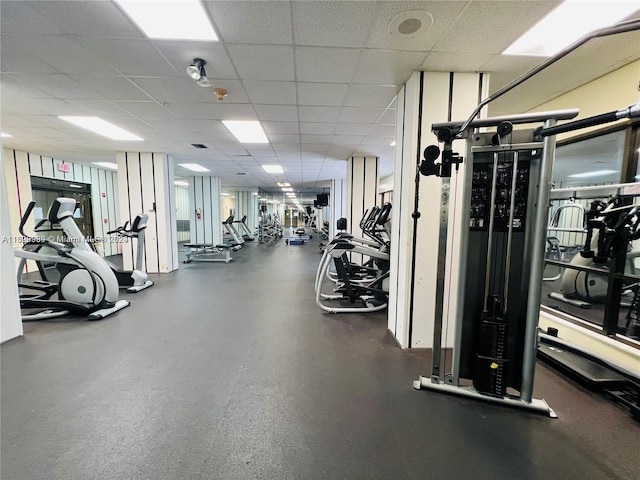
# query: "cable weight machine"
x,y
506,186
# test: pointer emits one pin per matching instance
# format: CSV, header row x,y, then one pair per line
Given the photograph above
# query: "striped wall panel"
x,y
205,209
182,213
145,185
426,98
20,166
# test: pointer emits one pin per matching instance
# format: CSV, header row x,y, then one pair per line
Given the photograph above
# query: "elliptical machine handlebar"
x,y
25,217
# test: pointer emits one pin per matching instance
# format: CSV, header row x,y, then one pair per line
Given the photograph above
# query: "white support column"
x,y
362,190
247,204
145,185
426,98
337,204
10,319
205,209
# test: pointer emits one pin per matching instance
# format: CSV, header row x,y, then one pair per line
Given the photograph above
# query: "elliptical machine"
x,y
86,284
136,279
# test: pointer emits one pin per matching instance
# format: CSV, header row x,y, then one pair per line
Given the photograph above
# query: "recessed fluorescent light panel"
x,y
595,173
224,194
246,131
181,183
170,19
392,144
567,23
5,135
287,189
109,165
283,184
194,167
101,127
273,168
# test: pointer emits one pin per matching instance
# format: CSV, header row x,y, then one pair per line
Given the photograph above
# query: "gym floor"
x,y
232,372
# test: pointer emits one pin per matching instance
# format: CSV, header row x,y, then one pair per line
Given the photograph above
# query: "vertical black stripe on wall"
x,y
480,85
450,106
28,161
53,168
364,191
141,203
414,240
204,240
404,114
15,169
155,212
351,199
375,192
195,219
126,166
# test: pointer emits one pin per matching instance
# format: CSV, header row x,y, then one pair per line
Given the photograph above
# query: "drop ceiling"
x,y
320,76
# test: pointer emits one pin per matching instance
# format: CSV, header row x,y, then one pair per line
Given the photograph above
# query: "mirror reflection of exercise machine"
x,y
45,191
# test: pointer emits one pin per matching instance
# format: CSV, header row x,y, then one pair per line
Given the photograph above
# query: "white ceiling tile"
x,y
479,29
99,108
21,18
350,23
277,112
325,94
353,128
316,139
380,67
77,58
169,90
271,93
383,130
360,115
181,54
263,62
15,59
318,114
244,22
346,139
281,127
88,18
281,138
130,57
315,128
57,85
445,62
212,111
388,117
146,110
376,140
370,95
112,87
442,12
329,65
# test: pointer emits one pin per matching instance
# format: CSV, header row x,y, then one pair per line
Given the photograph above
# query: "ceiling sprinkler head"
x,y
221,93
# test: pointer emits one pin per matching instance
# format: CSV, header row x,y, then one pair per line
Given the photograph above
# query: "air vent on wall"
x,y
199,145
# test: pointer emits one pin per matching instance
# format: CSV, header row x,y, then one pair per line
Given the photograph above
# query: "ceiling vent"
x,y
199,145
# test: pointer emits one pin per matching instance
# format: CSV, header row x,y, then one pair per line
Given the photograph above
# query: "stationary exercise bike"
x,y
86,284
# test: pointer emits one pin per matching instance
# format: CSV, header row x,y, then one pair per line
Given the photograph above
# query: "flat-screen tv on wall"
x,y
322,199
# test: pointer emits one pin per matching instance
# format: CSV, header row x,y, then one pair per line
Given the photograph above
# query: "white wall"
x,y
10,321
182,210
20,166
613,91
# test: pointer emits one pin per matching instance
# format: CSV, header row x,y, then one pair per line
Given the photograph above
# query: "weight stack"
x,y
491,363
